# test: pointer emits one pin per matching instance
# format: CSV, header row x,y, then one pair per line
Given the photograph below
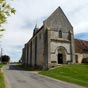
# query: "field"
x,y
77,73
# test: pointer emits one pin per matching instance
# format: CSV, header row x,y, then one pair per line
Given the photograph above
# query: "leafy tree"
x,y
5,58
5,11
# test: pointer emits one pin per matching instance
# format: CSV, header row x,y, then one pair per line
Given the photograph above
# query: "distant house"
x,y
81,51
52,44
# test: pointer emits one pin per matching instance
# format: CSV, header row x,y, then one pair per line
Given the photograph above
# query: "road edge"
x,y
7,83
60,80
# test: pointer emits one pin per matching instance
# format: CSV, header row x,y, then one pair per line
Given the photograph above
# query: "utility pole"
x,y
1,56
0,52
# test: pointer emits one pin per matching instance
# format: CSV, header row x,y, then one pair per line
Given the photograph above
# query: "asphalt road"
x,y
17,78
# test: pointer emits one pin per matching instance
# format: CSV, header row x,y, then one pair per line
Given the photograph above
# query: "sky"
x,y
19,28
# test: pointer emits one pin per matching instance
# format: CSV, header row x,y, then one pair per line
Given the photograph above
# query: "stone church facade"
x,y
52,44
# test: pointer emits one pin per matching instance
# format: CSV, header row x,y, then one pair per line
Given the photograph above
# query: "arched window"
x,y
60,34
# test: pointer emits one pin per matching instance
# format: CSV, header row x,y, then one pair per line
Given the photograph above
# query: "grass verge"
x,y
2,84
2,81
77,74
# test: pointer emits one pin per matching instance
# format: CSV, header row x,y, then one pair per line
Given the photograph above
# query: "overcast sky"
x,y
20,26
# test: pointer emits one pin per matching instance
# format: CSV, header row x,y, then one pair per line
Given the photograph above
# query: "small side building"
x,y
81,51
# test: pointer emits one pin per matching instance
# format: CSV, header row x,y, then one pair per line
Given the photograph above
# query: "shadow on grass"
x,y
22,67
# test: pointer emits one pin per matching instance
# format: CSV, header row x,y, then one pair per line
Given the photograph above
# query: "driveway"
x,y
17,78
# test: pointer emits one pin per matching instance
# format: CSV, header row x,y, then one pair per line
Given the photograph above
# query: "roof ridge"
x,y
81,40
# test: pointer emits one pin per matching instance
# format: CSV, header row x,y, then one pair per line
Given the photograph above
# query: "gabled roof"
x,y
58,20
81,45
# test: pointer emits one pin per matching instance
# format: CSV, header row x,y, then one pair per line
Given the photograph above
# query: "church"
x,y
53,43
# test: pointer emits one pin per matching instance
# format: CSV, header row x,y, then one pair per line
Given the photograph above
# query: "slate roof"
x,y
80,45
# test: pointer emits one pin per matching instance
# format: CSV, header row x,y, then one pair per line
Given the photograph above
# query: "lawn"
x,y
1,64
2,84
77,73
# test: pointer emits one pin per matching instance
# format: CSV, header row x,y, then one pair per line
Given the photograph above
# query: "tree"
x,y
5,11
5,58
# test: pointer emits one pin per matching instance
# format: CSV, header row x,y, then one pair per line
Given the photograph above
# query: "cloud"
x,y
19,28
81,27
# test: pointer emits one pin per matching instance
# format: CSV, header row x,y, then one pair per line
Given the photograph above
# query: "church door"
x,y
60,58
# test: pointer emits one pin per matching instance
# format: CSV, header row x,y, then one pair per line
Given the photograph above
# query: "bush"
x,y
85,60
5,58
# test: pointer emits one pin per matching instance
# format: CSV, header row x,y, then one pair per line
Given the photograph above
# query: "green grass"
x,y
77,73
2,81
1,65
2,84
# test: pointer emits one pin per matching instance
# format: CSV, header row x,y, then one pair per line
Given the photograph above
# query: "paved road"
x,y
17,78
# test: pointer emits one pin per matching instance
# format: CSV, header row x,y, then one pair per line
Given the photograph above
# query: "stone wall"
x,y
40,48
28,53
79,58
54,46
56,22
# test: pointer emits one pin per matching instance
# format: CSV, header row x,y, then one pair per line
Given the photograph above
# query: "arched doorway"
x,y
60,58
61,55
